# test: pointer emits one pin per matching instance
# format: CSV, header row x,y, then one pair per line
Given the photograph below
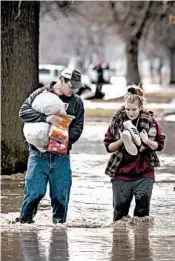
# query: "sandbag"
x,y
37,134
48,103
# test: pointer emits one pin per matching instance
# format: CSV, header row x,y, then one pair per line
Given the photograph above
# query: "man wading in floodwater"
x,y
52,167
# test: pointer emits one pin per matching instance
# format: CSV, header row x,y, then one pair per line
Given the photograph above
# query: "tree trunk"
x,y
20,41
132,75
172,66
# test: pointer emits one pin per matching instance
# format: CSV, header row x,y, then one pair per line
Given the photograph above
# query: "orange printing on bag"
x,y
59,138
59,131
58,134
64,120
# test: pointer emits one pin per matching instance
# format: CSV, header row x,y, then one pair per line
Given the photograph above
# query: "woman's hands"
x,y
144,136
150,143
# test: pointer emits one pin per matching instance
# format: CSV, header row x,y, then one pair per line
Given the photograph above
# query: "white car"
x,y
49,73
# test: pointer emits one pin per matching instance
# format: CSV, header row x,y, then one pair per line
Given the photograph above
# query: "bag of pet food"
x,y
58,147
59,138
59,131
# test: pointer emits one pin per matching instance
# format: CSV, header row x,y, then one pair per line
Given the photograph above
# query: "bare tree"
x,y
20,44
130,19
169,37
20,39
160,38
80,33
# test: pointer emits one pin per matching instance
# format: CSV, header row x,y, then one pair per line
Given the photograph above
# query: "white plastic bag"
x,y
48,103
37,134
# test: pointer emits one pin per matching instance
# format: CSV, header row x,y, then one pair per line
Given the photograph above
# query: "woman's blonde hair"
x,y
135,95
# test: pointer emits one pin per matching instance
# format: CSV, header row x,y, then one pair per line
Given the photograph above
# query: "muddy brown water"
x,y
89,233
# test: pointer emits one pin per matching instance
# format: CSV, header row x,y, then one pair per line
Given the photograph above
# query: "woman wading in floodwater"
x,y
133,137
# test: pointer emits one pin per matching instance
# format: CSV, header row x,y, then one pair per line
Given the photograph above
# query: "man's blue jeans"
x,y
43,168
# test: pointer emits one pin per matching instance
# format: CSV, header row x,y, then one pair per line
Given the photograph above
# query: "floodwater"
x,y
89,234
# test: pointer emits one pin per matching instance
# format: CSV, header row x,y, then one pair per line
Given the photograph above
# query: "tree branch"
x,y
19,10
144,18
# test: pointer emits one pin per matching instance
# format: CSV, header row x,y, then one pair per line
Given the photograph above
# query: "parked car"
x,y
49,73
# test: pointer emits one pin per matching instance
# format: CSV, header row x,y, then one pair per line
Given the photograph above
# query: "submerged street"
x,y
89,233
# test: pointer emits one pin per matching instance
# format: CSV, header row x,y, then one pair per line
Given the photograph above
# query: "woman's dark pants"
x,y
123,192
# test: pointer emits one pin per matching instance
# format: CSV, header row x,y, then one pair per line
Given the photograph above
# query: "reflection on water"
x,y
116,243
89,233
36,245
133,244
44,245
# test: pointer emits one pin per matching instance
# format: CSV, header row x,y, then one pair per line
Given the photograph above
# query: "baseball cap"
x,y
74,75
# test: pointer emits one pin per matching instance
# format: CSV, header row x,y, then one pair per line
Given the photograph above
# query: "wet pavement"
x,y
89,233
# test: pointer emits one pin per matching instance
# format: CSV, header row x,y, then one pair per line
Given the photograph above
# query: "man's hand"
x,y
53,119
144,136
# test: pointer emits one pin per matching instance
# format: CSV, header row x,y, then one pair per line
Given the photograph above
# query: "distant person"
x,y
133,137
52,167
99,68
